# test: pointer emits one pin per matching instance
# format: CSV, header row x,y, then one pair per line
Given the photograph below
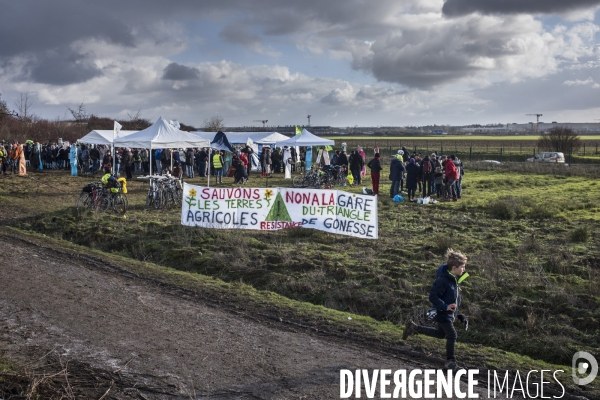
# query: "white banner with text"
x,y
331,211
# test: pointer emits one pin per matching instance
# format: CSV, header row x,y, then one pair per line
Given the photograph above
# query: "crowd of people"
x,y
410,173
430,175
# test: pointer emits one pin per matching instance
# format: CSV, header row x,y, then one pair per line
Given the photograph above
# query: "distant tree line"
x,y
22,124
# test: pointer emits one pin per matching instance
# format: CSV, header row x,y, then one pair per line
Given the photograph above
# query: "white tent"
x,y
161,135
102,137
306,139
272,138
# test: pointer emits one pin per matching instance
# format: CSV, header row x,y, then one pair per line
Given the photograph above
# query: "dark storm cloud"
x,y
178,72
28,27
463,7
61,67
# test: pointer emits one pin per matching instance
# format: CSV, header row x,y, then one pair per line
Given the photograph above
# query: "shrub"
x,y
506,208
540,211
581,234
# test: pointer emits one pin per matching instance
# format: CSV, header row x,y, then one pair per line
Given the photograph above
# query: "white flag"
x,y
117,130
249,142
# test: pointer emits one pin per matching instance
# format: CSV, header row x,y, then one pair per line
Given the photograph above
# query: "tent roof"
x,y
102,136
242,137
306,139
162,135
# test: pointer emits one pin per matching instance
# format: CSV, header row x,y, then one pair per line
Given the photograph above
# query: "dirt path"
x,y
153,343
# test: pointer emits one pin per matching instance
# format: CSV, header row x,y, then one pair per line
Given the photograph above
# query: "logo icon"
x,y
580,368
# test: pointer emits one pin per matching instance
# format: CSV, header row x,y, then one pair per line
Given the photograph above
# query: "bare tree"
x,y
4,111
136,122
79,114
214,124
24,104
560,139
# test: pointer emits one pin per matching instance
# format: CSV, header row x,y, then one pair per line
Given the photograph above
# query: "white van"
x,y
548,156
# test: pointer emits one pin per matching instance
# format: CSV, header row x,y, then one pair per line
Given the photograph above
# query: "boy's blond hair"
x,y
455,258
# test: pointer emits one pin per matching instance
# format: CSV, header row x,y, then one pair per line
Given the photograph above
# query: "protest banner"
x,y
333,211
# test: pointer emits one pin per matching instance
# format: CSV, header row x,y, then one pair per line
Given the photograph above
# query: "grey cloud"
x,y
240,34
464,7
178,72
61,67
545,95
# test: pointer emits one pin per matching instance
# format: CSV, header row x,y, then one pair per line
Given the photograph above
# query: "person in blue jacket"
x,y
445,298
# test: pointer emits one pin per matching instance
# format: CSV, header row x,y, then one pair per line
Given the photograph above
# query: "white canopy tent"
x,y
306,139
102,137
161,135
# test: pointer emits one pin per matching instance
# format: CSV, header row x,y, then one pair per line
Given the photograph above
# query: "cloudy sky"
x,y
345,62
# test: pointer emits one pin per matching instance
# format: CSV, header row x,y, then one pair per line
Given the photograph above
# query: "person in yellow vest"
x,y
218,164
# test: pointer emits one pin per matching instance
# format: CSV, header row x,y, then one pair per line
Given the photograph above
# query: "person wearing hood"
x,y
445,298
412,178
396,174
73,159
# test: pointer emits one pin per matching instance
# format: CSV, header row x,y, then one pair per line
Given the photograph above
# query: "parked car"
x,y
548,156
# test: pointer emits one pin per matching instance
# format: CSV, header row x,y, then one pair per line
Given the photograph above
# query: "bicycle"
x,y
154,196
116,201
91,196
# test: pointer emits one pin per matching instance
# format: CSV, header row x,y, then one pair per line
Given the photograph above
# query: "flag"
x,y
298,130
249,142
117,129
328,148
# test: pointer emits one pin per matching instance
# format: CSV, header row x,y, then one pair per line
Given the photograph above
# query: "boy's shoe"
x,y
410,329
451,364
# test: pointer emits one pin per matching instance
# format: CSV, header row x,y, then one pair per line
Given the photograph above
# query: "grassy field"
x,y
506,138
531,234
472,148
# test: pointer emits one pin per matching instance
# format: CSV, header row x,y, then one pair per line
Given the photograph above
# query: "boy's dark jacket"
x,y
445,291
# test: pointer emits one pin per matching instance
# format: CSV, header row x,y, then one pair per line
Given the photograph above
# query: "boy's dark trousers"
x,y
438,189
444,330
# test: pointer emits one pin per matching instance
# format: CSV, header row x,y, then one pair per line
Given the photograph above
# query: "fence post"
x,y
390,151
441,149
470,153
501,151
571,156
584,149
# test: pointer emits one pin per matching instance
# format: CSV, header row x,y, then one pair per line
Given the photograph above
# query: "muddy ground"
x,y
80,329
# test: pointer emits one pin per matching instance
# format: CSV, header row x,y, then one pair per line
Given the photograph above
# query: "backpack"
x,y
426,167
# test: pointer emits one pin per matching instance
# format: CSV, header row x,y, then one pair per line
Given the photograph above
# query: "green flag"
x,y
298,130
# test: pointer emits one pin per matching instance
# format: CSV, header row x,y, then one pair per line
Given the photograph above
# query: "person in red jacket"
x,y
451,177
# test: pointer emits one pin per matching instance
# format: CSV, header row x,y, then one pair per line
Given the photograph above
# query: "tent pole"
x,y
209,158
151,158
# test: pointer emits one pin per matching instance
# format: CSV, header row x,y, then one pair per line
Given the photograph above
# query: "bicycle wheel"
x,y
105,203
84,201
157,199
119,204
149,197
178,194
167,200
299,181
